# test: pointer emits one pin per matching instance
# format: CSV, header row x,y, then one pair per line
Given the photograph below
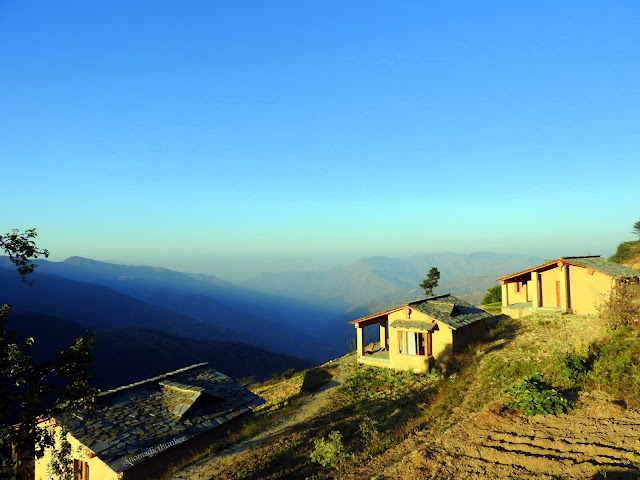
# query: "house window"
x,y
415,343
517,287
81,470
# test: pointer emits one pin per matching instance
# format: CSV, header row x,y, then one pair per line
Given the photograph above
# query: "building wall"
x,y
530,291
463,336
98,470
587,291
157,466
548,280
153,467
441,344
413,363
517,297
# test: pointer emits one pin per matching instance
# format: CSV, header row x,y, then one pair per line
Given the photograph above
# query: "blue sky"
x,y
234,137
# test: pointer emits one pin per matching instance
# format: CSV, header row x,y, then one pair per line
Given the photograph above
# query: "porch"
x,y
377,351
378,355
520,309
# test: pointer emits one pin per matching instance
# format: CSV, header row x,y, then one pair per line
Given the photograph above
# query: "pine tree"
x,y
431,281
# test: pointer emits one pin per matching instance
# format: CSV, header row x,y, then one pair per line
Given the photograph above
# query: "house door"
x,y
558,292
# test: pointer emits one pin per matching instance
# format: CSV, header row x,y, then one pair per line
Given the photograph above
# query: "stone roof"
x,y
596,262
135,422
450,310
605,266
415,324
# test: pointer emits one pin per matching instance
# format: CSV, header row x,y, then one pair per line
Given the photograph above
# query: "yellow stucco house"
x,y
567,284
137,431
417,335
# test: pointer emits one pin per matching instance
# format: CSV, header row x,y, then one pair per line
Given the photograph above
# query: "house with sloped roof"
x,y
138,431
568,284
417,335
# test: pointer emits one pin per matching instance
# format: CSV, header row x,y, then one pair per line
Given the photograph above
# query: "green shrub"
x,y
374,383
369,430
625,251
533,395
571,366
494,295
288,373
329,453
616,366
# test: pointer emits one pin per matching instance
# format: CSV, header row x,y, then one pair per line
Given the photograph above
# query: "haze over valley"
x,y
293,319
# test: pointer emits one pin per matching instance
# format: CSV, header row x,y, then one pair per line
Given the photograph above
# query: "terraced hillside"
x,y
454,423
598,440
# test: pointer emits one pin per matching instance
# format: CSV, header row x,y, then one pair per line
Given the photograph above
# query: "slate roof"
x,y
596,262
605,266
415,324
450,310
138,421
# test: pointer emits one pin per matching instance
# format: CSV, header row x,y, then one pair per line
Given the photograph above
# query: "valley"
x,y
147,312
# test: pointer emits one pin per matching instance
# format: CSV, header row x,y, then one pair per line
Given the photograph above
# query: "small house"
x,y
417,335
138,431
568,284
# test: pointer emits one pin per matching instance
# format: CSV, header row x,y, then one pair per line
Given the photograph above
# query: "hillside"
x,y
99,307
454,423
316,306
123,356
628,253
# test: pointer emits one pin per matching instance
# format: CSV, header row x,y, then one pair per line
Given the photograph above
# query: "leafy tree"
x,y
636,228
494,295
21,248
431,281
32,391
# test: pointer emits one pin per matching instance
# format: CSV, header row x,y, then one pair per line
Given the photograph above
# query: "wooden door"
x,y
558,293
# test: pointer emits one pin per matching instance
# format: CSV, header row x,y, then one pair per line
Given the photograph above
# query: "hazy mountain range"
x,y
375,282
144,314
123,356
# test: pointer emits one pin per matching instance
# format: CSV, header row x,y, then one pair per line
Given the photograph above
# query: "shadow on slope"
x,y
125,356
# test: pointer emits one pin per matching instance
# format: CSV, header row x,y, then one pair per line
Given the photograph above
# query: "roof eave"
x,y
370,317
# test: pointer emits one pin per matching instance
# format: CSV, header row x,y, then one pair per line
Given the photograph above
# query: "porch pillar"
x,y
535,298
564,288
383,335
360,341
505,295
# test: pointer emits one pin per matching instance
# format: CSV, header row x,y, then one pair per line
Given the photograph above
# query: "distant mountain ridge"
x,y
209,303
124,356
376,281
302,314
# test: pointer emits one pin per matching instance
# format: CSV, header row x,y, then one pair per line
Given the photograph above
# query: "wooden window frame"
x,y
80,469
428,347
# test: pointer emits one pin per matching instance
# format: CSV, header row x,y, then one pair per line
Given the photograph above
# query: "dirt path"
x,y
208,467
599,440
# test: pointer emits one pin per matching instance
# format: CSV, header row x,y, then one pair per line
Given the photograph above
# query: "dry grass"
x,y
276,395
401,410
521,347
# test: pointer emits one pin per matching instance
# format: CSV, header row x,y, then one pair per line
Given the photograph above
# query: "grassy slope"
x,y
382,414
627,253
